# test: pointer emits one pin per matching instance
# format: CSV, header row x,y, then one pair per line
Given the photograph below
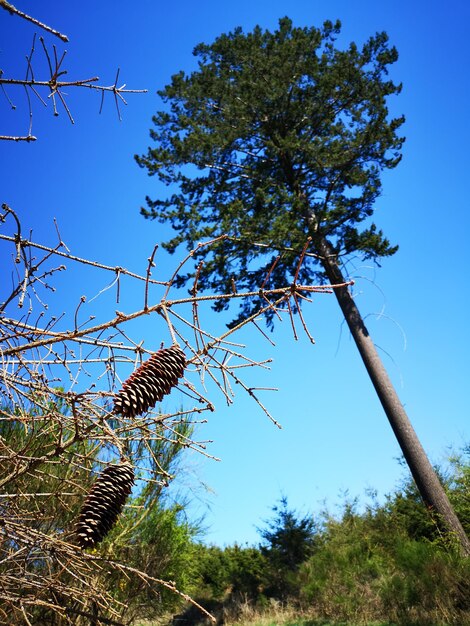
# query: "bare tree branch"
x,y
54,83
14,11
59,380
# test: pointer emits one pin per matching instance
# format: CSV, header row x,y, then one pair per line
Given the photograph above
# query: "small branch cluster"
x,y
53,83
66,416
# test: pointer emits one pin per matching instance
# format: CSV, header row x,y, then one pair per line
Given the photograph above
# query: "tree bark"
x,y
429,485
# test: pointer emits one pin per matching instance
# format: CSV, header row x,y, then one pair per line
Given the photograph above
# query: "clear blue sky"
x,y
335,436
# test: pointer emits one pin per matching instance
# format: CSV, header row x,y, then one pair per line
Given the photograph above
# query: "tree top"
x,y
276,137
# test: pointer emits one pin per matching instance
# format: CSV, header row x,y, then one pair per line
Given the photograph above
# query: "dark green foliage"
x,y
226,581
361,573
459,486
233,571
213,571
407,510
288,540
248,571
158,541
276,136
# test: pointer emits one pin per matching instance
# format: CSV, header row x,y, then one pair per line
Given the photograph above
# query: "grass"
x,y
284,620
278,615
269,621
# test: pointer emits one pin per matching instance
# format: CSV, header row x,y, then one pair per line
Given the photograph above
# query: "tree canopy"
x,y
276,137
288,538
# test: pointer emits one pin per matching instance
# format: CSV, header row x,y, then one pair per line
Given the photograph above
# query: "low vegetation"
x,y
387,563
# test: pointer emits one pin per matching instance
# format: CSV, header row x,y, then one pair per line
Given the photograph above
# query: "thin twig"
x,y
17,138
14,11
148,274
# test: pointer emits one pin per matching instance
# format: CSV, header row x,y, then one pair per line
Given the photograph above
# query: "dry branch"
x,y
14,11
54,83
59,380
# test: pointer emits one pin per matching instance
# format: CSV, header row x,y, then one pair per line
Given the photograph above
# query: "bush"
x,y
361,573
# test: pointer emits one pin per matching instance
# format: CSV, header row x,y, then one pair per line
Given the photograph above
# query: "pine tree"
x,y
277,137
288,540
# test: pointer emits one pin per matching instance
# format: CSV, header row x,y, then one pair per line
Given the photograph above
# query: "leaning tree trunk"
x,y
428,483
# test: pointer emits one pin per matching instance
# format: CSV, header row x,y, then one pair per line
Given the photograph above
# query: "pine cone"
x,y
150,382
104,504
